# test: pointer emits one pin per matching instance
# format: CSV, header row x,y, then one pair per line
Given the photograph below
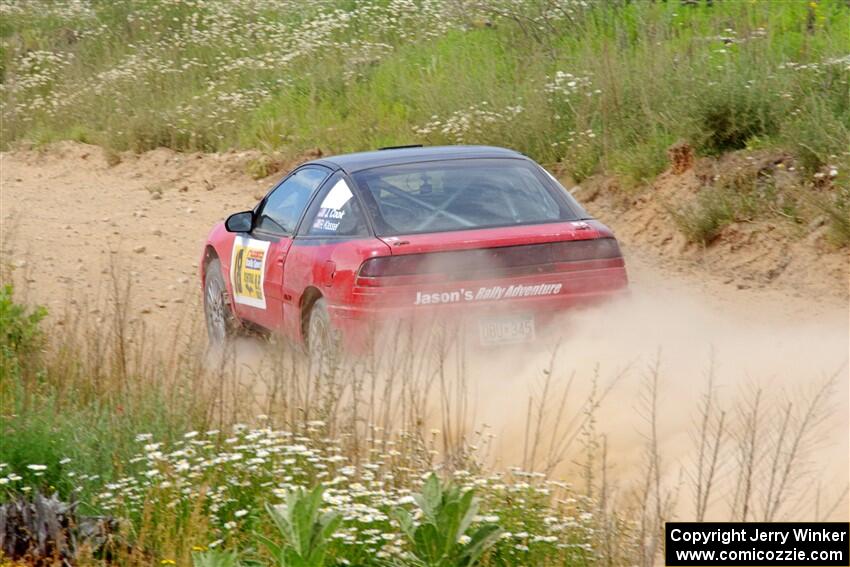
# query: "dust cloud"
x,y
599,362
782,346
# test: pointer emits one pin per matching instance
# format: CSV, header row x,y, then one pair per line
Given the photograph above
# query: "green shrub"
x,y
702,221
730,116
304,529
442,536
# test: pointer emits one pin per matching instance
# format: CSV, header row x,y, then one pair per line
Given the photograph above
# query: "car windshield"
x,y
440,196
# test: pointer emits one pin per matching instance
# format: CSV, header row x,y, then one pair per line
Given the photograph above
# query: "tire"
x,y
221,323
323,341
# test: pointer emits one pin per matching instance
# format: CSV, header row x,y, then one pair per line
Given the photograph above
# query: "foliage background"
x,y
598,85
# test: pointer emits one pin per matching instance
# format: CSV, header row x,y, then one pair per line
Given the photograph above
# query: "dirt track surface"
x,y
69,221
69,218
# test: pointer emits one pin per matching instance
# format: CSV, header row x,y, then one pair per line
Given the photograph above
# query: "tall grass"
x,y
185,447
172,443
587,87
597,86
85,394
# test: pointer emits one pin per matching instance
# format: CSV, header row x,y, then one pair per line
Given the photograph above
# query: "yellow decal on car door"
x,y
247,271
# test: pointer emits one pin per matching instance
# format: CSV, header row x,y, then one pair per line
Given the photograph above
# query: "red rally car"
x,y
345,243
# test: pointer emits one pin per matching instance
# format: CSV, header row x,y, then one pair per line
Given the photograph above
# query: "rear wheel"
x,y
323,342
221,324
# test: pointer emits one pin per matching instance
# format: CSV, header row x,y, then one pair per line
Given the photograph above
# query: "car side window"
x,y
335,212
283,207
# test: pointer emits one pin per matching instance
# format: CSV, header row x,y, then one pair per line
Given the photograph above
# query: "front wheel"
x,y
221,323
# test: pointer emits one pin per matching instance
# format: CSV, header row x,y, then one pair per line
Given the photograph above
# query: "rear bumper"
x,y
379,309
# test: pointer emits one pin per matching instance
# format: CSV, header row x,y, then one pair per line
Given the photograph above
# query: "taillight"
x,y
375,267
596,249
491,261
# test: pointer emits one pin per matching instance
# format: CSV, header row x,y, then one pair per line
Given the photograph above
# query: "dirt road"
x,y
70,220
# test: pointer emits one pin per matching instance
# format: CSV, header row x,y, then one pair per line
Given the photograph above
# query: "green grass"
x,y
702,221
68,403
89,415
136,76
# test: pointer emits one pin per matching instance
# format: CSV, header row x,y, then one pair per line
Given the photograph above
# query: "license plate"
x,y
506,329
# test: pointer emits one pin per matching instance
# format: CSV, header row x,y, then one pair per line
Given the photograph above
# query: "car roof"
x,y
395,156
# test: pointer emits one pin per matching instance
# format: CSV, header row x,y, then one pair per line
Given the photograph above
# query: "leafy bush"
x,y
305,530
439,538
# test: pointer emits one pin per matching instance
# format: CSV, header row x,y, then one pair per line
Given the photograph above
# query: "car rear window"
x,y
440,196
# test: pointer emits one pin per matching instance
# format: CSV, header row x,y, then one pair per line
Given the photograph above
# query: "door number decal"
x,y
247,271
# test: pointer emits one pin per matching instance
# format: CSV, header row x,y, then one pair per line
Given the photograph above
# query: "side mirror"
x,y
240,222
